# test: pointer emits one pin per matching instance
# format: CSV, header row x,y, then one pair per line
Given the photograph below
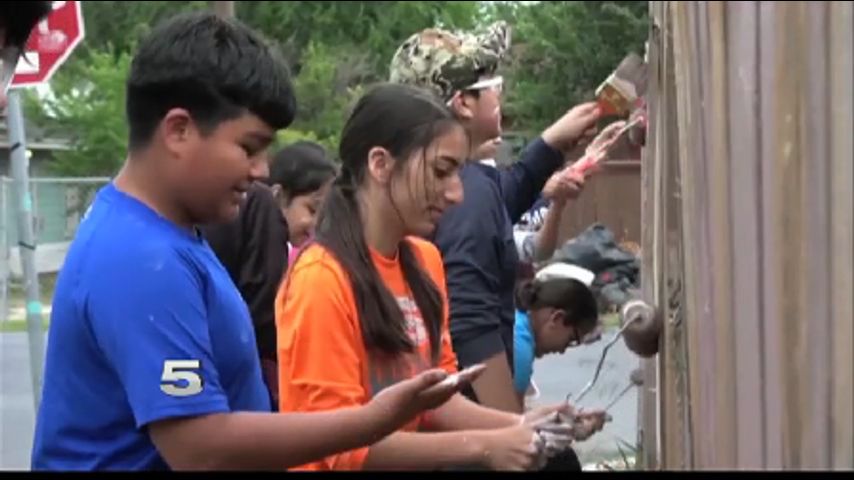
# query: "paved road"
x,y
555,376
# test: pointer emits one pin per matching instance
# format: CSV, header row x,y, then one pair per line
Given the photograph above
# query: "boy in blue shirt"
x,y
152,361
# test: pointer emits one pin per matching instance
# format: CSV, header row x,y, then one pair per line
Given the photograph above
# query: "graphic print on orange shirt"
x,y
384,370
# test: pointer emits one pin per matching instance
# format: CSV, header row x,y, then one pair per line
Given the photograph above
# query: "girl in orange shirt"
x,y
365,306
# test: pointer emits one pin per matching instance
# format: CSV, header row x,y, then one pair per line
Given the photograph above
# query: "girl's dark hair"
x,y
571,296
19,19
301,168
401,119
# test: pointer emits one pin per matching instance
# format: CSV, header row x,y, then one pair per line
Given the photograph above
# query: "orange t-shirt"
x,y
323,362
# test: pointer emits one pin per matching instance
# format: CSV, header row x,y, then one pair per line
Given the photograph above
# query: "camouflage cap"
x,y
447,62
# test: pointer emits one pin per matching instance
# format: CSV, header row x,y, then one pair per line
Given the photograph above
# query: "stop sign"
x,y
50,44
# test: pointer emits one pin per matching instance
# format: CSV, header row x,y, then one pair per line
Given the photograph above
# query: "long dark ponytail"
x,y
401,119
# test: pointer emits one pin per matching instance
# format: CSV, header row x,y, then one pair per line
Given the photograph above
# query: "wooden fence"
x,y
747,236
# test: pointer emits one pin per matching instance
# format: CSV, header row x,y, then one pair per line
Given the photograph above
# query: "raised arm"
x,y
523,182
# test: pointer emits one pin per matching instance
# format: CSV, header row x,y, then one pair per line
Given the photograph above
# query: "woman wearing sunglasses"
x,y
555,311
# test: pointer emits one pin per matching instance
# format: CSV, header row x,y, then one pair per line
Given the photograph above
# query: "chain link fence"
x,y
58,206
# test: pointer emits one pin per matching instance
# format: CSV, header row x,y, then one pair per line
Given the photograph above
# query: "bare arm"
x,y
511,448
547,236
272,441
460,413
262,441
426,451
494,388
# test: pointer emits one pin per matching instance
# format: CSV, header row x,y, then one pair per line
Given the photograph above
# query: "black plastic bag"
x,y
617,270
596,250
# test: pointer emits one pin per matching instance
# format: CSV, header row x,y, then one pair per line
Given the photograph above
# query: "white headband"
x,y
482,85
564,270
487,83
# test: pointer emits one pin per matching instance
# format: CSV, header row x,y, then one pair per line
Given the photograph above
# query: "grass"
x,y
17,302
611,320
18,297
20,326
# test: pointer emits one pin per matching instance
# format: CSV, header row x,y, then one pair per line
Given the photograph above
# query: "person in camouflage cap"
x,y
447,63
461,68
476,237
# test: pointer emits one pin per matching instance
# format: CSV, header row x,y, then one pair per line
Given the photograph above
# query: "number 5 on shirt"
x,y
174,371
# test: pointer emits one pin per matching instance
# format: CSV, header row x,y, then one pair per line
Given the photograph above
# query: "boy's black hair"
x,y
301,168
215,68
20,18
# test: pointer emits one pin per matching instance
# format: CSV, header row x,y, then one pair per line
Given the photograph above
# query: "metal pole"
x,y
224,9
26,240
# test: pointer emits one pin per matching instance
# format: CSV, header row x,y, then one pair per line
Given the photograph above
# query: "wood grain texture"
x,y
751,159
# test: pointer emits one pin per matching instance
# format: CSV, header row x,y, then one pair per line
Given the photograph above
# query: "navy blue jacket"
x,y
476,241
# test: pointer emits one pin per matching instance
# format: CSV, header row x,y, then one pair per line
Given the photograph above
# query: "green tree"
x,y
89,107
563,51
118,26
375,28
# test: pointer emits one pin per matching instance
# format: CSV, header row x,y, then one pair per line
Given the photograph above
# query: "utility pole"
x,y
224,9
26,241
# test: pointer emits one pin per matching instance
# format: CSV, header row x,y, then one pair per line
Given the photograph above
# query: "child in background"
x,y
555,311
300,177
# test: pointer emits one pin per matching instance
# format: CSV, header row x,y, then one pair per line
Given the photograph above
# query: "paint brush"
x,y
619,93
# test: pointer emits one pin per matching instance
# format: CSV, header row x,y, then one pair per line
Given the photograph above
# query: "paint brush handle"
x,y
591,159
618,397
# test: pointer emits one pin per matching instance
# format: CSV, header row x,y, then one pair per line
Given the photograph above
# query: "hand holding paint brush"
x,y
597,151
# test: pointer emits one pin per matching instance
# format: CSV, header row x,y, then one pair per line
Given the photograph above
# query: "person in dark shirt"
x,y
476,237
254,247
253,250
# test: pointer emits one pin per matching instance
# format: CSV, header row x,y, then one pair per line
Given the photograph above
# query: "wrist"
x,y
380,418
552,138
558,203
478,446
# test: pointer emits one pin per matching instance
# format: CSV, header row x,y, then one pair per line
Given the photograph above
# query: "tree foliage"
x,y
562,51
87,102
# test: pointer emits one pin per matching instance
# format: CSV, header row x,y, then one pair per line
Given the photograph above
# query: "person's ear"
x,y
463,105
558,318
380,165
178,131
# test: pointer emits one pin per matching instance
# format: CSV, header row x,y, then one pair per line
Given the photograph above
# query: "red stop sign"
x,y
50,44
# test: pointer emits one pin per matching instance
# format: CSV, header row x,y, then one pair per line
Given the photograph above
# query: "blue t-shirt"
x,y
524,350
146,326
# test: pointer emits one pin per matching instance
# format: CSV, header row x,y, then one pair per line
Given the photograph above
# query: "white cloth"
x,y
565,270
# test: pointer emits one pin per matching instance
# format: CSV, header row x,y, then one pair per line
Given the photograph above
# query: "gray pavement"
x,y
555,376
17,415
